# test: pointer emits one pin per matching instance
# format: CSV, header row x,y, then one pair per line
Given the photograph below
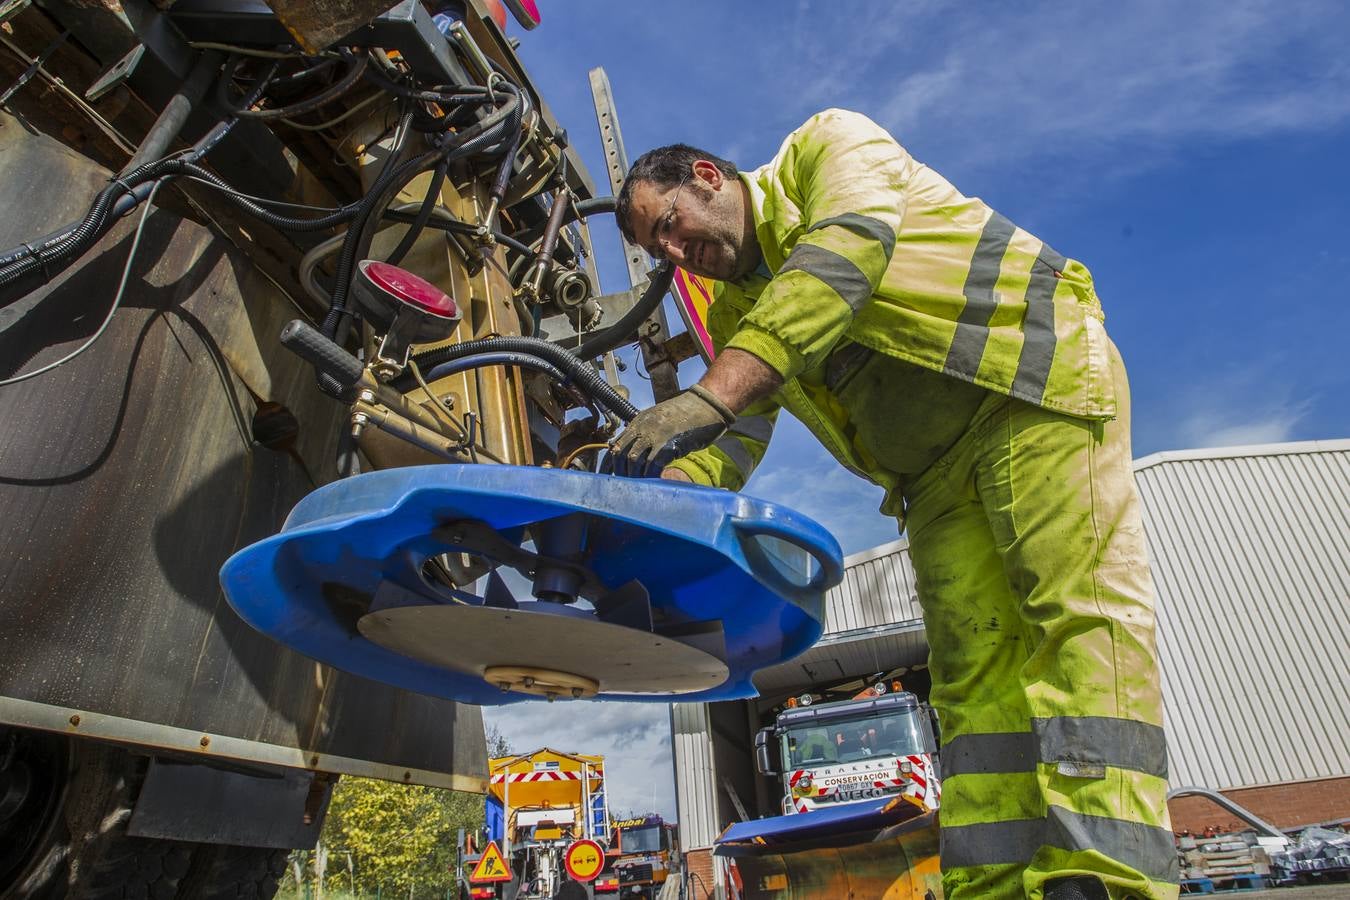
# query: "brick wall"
x,y
1282,805
699,874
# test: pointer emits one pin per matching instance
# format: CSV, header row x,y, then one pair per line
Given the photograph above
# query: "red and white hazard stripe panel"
x,y
515,777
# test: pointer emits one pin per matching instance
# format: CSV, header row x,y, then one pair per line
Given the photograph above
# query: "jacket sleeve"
x,y
731,459
847,176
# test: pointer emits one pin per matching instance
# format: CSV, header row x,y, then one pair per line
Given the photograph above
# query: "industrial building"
x,y
1250,548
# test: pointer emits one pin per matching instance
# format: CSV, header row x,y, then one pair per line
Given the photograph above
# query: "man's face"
x,y
700,225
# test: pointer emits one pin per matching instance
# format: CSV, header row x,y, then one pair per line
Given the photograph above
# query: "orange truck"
x,y
645,853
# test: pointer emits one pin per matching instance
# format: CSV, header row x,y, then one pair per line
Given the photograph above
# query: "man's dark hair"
x,y
664,167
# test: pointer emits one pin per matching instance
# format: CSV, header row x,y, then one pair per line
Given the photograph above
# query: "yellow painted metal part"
x,y
495,396
901,864
565,792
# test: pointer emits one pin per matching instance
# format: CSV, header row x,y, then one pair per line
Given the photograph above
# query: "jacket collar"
x,y
768,246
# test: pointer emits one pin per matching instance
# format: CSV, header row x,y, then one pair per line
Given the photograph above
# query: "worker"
x,y
959,362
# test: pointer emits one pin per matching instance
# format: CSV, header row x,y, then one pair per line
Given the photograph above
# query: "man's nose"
x,y
673,250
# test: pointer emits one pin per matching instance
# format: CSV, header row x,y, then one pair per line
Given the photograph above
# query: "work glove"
x,y
661,434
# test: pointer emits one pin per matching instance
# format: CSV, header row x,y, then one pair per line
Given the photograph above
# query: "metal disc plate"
x,y
469,639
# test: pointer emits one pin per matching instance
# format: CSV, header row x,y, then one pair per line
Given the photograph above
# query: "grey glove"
x,y
663,433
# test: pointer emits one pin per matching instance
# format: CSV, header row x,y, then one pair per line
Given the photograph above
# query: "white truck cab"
x,y
852,751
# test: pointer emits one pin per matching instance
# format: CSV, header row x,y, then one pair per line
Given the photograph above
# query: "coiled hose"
x,y
575,368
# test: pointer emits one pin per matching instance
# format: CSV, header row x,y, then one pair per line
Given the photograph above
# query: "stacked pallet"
x,y
1222,857
1319,853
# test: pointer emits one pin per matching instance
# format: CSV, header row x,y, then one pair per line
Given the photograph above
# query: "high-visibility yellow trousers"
x,y
1028,545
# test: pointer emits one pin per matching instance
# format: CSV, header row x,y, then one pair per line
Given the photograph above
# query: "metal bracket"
x,y
662,371
560,330
116,74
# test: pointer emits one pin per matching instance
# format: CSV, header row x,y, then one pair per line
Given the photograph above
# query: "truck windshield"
x,y
849,740
640,840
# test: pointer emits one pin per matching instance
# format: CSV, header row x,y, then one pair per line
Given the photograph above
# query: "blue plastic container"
x,y
708,559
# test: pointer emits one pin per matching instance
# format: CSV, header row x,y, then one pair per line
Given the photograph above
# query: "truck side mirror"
x,y
764,743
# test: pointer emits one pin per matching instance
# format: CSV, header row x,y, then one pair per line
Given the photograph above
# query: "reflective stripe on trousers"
x,y
1029,551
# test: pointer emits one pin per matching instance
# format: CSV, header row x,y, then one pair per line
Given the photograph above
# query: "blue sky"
x,y
1195,156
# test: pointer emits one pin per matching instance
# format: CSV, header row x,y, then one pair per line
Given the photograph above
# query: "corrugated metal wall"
x,y
877,590
1251,555
695,781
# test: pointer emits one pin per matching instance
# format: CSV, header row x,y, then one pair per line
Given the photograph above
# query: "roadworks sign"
x,y
491,867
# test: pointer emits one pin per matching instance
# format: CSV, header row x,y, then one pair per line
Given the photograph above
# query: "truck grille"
x,y
636,874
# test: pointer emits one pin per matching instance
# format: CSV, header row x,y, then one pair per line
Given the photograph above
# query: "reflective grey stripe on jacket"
x,y
756,428
1038,325
1144,848
1083,740
863,226
840,273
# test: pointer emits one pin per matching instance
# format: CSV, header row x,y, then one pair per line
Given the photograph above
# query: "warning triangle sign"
x,y
491,867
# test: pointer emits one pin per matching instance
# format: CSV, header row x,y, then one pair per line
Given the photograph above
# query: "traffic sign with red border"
x,y
584,860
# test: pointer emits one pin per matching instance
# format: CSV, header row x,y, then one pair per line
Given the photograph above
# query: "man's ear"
x,y
708,173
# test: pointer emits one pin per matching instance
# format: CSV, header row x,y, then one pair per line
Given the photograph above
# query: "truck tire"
x,y
77,845
234,873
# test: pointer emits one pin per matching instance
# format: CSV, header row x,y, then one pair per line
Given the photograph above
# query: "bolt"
x,y
551,696
527,681
313,760
576,693
75,720
367,396
407,776
205,742
359,421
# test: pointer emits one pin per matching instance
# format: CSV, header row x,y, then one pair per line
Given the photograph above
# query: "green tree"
x,y
399,838
498,744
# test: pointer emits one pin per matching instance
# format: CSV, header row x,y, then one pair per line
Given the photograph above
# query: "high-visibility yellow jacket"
x,y
866,246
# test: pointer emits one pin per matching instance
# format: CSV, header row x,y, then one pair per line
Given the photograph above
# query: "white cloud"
x,y
634,738
1227,427
1241,404
984,84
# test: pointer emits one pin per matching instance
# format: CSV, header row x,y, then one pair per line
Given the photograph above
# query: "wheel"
x,y
33,769
233,873
68,803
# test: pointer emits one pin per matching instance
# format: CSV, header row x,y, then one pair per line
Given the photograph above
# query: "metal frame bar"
x,y
87,724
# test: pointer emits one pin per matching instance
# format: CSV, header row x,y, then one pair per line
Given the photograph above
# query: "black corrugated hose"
x,y
575,368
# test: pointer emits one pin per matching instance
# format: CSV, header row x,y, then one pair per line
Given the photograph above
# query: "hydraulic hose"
x,y
579,210
423,214
574,368
29,266
176,111
618,334
309,104
359,236
498,358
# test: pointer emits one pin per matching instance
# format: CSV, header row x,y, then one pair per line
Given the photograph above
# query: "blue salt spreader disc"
x,y
708,559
